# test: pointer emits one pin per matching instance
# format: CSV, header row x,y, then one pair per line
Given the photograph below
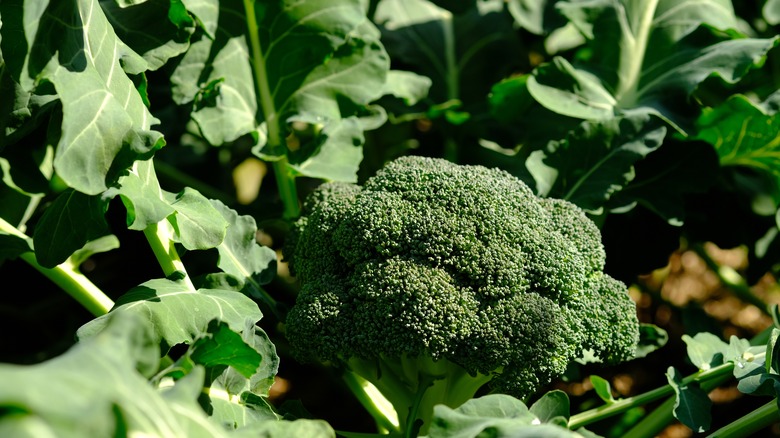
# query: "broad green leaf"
x,y
705,350
553,406
645,57
12,247
72,220
142,196
496,414
451,49
595,161
240,255
198,225
692,405
318,62
179,314
95,390
159,31
408,86
603,388
105,124
743,133
285,429
531,124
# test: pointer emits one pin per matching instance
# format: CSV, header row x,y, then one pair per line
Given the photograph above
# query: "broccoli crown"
x,y
459,262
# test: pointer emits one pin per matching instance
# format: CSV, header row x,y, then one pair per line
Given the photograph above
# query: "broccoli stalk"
x,y
413,386
432,279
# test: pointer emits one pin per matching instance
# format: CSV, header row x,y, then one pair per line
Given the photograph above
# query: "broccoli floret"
x,y
434,278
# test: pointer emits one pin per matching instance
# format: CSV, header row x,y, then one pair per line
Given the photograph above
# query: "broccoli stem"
x,y
413,386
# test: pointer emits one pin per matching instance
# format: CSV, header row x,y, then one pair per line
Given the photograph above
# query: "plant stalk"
x,y
66,276
285,180
751,423
716,376
160,239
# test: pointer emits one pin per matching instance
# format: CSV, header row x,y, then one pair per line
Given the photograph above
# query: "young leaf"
x,y
705,350
692,405
651,338
142,196
603,388
222,346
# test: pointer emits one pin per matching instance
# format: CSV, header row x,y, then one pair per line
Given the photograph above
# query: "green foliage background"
x,y
153,153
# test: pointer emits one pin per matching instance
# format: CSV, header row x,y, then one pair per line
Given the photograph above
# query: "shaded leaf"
x,y
67,225
645,58
692,405
160,29
595,161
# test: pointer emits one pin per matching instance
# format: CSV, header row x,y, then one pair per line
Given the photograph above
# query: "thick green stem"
x,y
714,376
374,402
288,192
751,423
654,422
75,284
160,240
66,276
285,180
452,79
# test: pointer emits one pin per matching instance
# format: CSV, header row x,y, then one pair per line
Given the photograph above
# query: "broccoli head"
x,y
433,271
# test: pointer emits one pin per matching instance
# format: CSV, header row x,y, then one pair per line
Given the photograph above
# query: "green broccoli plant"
x,y
434,279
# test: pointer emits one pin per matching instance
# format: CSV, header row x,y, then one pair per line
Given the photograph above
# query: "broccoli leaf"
x,y
73,46
307,63
450,49
595,161
643,59
178,313
692,405
743,133
96,389
497,414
